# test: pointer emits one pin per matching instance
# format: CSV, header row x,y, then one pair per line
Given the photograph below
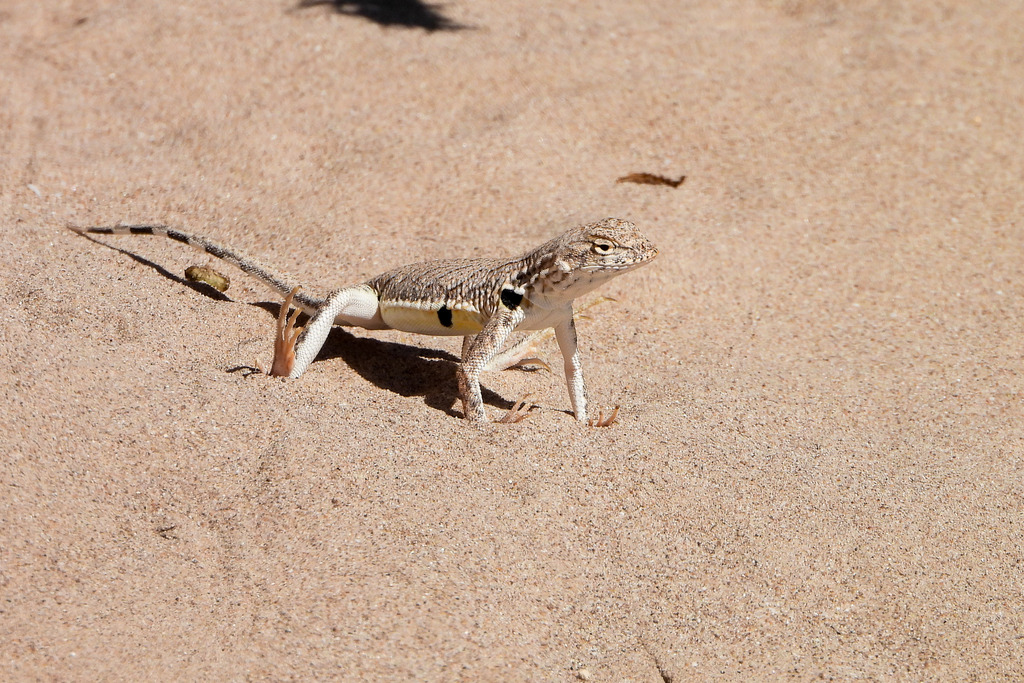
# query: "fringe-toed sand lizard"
x,y
483,300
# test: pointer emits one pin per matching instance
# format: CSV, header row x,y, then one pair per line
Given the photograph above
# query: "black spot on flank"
x,y
511,298
179,236
444,316
140,230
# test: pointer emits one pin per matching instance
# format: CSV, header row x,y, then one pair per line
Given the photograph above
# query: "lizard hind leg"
x,y
284,340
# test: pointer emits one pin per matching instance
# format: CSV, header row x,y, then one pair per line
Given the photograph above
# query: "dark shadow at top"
x,y
405,13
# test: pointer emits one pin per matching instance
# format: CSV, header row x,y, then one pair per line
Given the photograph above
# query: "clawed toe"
x,y
519,412
602,421
284,342
530,364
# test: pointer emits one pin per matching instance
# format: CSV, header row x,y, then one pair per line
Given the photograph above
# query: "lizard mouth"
x,y
626,265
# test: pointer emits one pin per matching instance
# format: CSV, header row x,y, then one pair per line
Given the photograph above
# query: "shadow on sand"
x,y
402,13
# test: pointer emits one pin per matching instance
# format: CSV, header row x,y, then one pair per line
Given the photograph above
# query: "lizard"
x,y
484,300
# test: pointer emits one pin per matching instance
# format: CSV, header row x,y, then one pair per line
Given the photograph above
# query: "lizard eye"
x,y
603,246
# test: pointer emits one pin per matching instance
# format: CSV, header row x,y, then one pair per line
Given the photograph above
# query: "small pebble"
x,y
209,276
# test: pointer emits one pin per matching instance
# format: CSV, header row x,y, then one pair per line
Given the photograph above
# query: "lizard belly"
x,y
542,318
432,317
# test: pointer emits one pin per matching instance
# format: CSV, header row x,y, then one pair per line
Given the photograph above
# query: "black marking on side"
x,y
178,236
444,316
140,230
511,298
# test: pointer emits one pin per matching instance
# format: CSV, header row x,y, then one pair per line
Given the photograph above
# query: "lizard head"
x,y
582,258
611,245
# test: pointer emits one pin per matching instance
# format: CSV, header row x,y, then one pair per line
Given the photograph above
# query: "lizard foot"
x,y
601,420
284,341
529,364
519,412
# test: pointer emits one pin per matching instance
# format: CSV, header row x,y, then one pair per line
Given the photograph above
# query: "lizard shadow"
x,y
404,369
200,287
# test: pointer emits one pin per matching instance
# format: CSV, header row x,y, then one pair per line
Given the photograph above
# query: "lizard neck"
x,y
546,278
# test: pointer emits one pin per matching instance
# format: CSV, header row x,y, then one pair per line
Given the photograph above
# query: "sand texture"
x,y
818,469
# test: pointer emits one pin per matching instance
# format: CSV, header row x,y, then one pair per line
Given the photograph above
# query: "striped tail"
x,y
247,264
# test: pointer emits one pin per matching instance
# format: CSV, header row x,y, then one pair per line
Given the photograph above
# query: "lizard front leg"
x,y
565,335
478,352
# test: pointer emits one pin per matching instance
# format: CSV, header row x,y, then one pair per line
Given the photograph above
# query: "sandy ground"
x,y
817,471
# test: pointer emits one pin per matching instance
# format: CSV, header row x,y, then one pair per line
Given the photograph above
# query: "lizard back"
x,y
443,297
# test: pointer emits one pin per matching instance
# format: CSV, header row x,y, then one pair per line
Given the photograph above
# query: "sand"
x,y
817,470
